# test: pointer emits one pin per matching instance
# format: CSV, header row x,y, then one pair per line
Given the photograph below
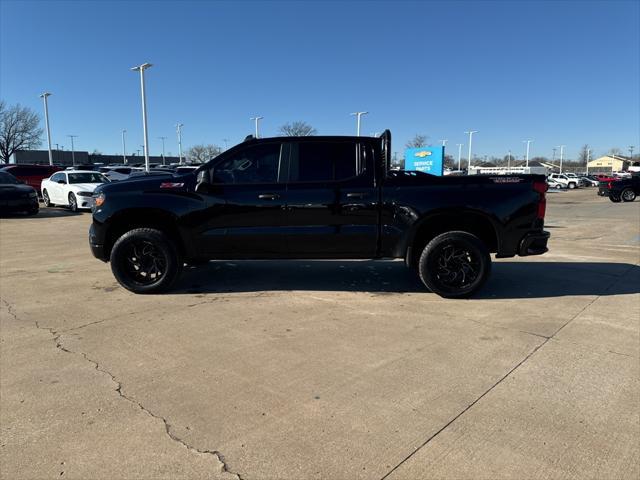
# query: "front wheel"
x,y
45,199
73,202
145,260
628,195
454,264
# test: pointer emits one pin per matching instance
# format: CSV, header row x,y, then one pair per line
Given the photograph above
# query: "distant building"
x,y
609,163
64,158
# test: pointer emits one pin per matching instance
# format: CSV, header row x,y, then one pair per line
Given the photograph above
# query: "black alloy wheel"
x,y
455,264
145,260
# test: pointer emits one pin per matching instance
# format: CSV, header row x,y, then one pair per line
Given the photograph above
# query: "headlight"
x,y
85,194
99,199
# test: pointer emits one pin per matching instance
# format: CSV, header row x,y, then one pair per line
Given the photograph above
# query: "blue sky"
x,y
555,72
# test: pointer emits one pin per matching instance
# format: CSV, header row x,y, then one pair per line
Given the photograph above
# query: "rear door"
x,y
332,204
245,207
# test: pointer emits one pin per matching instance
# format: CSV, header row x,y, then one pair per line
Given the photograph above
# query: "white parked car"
x,y
72,188
570,183
555,184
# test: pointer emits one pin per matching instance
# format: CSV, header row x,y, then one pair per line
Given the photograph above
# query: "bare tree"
x,y
417,141
615,151
19,130
583,154
297,129
202,153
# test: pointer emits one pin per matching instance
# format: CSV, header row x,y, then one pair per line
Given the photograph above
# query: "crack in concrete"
x,y
167,426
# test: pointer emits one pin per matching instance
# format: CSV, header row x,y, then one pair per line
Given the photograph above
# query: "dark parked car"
x,y
317,197
624,189
32,175
16,197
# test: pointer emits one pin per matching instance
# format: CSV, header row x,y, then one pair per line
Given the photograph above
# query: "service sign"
x,y
426,159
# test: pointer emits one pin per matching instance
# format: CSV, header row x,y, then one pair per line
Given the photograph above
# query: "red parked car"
x,y
31,175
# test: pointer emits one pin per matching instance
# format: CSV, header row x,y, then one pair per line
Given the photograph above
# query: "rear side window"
x,y
323,161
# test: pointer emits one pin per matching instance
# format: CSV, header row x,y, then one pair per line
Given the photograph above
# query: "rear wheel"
x,y
628,195
145,260
45,199
572,186
73,202
454,264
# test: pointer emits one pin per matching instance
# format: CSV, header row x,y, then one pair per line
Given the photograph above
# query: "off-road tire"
x,y
474,253
123,260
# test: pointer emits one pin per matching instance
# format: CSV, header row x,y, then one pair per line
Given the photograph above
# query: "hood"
x,y
151,182
8,190
84,187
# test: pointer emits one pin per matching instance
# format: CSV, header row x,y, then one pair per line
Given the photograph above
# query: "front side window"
x,y
87,177
253,164
323,162
57,177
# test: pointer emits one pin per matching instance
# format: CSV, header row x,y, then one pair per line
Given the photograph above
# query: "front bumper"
x,y
85,202
97,244
534,244
25,204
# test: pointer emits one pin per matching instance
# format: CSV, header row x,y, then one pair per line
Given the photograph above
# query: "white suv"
x,y
570,183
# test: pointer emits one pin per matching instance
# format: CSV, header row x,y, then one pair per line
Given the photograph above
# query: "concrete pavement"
x,y
335,369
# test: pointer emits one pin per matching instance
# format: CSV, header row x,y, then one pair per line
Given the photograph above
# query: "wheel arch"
x,y
471,221
132,218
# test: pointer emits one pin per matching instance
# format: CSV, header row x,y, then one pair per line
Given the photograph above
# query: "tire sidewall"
x,y
615,198
163,243
46,199
430,254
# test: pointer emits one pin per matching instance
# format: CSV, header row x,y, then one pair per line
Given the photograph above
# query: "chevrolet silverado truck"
x,y
317,197
624,189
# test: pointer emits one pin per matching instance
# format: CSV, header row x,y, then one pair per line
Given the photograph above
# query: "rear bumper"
x,y
534,244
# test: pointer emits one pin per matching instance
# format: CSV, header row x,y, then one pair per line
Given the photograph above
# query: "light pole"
x,y
509,160
46,121
226,141
141,69
179,132
588,158
553,158
470,132
444,142
459,154
162,138
73,156
257,120
631,147
561,147
124,150
358,115
528,142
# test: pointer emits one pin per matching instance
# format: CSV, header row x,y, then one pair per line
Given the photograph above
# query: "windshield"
x,y
87,177
8,178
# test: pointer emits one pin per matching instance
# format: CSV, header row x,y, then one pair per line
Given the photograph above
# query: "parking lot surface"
x,y
324,369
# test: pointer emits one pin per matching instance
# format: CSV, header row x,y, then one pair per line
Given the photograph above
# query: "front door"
x,y
245,206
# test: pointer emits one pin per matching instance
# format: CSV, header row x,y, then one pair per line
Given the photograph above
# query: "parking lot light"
x,y
358,118
163,139
561,147
141,69
528,142
44,96
257,120
470,132
124,150
73,156
179,132
459,154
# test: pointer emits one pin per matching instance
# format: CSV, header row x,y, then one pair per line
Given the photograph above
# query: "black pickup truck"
x,y
623,189
317,197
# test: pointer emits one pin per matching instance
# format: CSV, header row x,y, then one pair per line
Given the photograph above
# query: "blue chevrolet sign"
x,y
425,159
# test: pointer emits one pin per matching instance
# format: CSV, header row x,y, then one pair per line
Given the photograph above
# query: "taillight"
x,y
609,185
541,188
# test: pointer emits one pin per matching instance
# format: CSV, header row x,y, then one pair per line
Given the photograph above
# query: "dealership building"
x,y
65,158
609,163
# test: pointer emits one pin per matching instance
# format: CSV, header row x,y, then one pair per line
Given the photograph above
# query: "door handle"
x,y
268,196
356,195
